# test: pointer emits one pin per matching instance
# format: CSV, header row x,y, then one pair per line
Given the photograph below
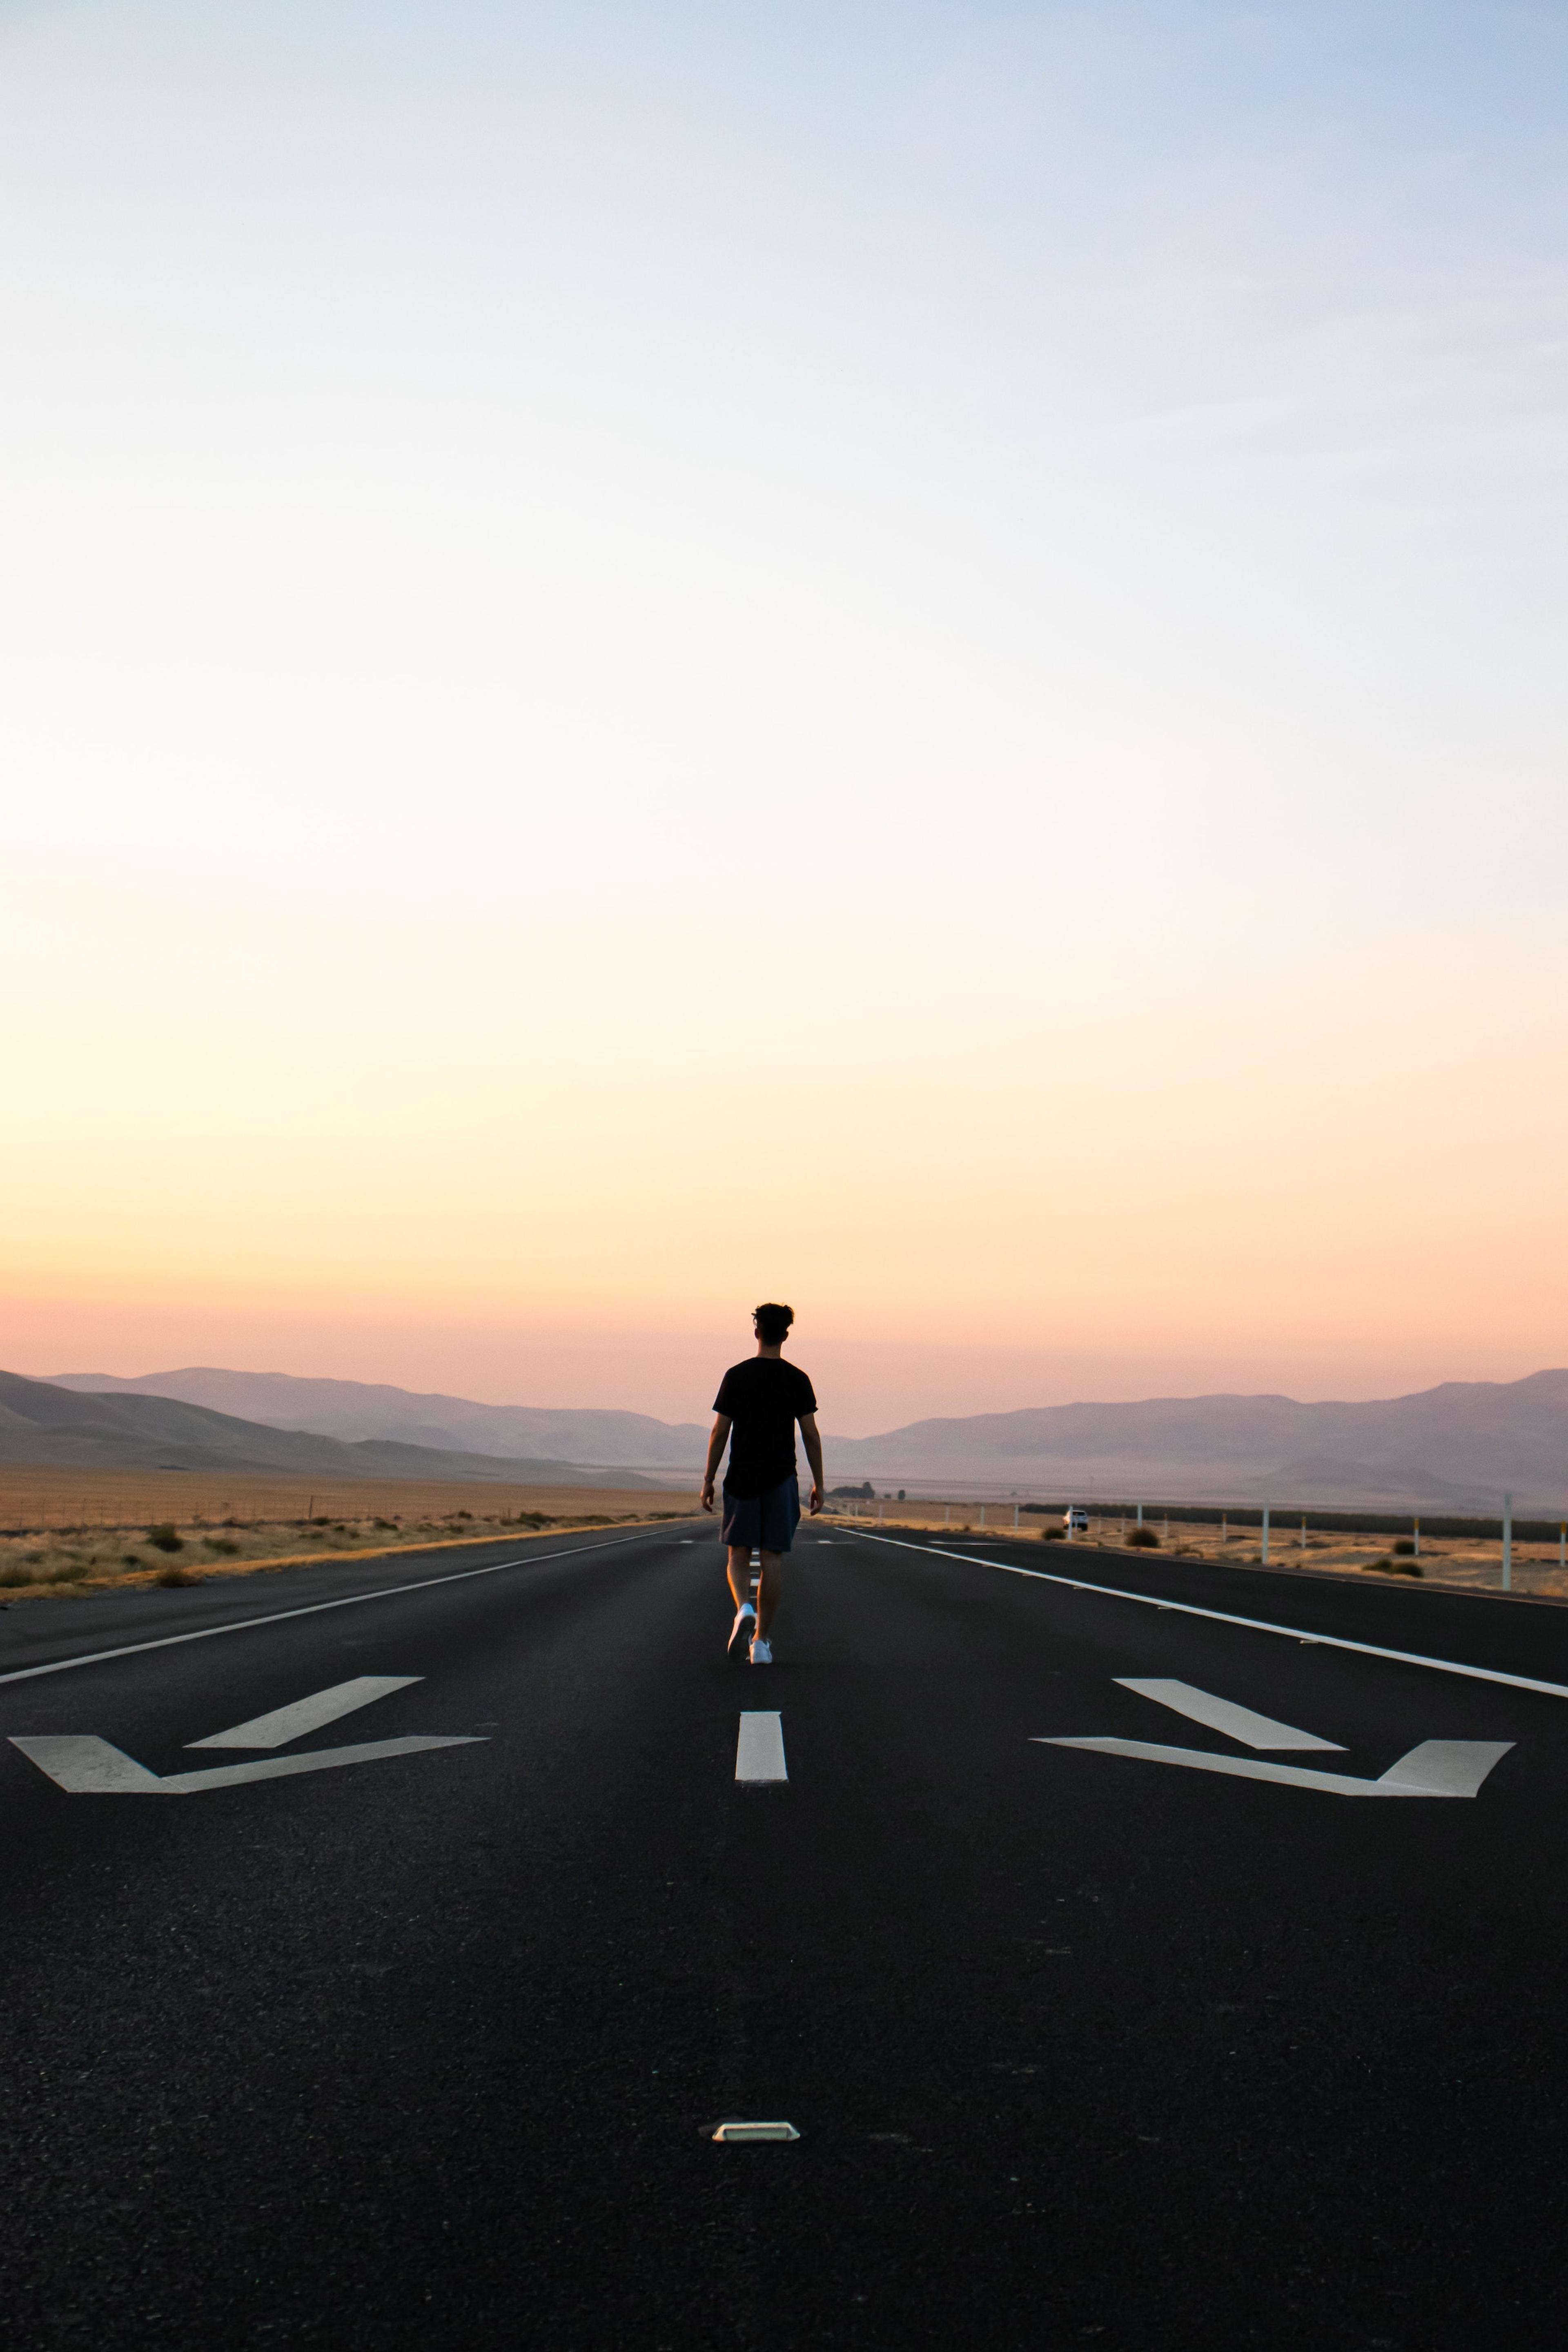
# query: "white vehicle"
x,y
1075,1521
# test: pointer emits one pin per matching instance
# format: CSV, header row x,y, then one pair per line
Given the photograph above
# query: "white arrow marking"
x,y
286,1723
1438,1767
759,1750
92,1768
1444,1767
1222,1714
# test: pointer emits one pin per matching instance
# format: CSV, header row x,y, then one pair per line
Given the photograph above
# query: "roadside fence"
x,y
1478,1553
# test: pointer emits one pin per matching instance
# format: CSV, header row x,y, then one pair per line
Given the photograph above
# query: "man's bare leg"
x,y
769,1589
768,1592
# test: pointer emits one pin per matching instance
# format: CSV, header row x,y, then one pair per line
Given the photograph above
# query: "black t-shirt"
x,y
764,1398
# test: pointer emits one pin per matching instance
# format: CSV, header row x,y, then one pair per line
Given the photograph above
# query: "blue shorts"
x,y
763,1522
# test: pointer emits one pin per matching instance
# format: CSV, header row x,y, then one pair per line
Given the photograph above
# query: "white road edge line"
x,y
314,1608
1223,1617
760,1750
1221,1714
286,1723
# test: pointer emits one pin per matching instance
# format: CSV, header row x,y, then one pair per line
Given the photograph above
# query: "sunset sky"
x,y
907,658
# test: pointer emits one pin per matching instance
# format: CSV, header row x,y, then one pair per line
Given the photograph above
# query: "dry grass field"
x,y
73,1531
76,1530
1471,1566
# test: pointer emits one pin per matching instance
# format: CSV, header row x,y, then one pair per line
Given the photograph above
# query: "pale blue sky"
x,y
1187,367
491,489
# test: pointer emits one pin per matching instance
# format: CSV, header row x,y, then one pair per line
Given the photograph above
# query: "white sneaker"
x,y
742,1631
762,1656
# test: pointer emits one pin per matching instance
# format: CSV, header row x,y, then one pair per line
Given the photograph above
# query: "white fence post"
x,y
1508,1543
1015,1515
1140,1514
1263,1560
1417,1524
983,1515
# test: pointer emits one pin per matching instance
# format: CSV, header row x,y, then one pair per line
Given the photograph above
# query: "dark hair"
x,y
773,1323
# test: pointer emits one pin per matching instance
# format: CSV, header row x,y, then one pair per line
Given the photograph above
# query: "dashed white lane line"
x,y
760,1748
314,1608
1222,1714
286,1723
1251,1624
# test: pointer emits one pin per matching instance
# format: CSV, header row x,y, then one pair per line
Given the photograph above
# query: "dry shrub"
x,y
173,1575
1143,1539
167,1538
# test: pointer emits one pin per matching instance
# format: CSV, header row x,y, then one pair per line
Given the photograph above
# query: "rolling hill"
x,y
1455,1447
358,1410
42,1421
1458,1446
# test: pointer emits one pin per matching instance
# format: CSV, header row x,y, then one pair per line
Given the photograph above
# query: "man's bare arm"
x,y
813,1455
716,1444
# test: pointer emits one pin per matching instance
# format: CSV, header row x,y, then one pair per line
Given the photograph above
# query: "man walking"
x,y
758,1404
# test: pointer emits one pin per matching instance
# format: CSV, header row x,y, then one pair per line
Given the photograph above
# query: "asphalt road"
x,y
1085,2047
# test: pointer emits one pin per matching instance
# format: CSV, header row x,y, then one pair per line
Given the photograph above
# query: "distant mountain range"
x,y
45,1421
357,1410
1457,1447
